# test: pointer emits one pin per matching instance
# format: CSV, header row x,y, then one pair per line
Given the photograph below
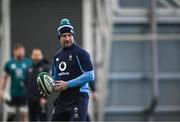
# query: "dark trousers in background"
x,y
36,112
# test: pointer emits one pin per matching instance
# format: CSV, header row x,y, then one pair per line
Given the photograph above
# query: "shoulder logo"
x,y
62,66
13,66
57,59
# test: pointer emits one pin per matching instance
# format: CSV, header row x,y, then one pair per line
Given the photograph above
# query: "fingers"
x,y
1,95
42,93
43,101
58,88
58,83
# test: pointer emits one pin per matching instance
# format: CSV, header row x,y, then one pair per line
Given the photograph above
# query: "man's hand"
x,y
1,94
42,102
60,86
3,81
94,96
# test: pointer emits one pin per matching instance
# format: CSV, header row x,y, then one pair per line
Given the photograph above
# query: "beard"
x,y
19,57
66,45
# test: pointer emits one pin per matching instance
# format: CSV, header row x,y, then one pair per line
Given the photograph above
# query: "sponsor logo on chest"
x,y
62,65
62,68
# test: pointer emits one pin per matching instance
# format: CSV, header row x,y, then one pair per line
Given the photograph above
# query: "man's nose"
x,y
67,37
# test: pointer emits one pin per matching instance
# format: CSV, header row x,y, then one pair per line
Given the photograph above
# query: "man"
x,y
36,103
72,71
16,68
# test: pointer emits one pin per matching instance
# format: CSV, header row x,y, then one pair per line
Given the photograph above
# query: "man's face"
x,y
19,53
36,55
66,40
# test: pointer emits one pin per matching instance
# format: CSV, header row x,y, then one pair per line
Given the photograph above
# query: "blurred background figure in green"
x,y
16,69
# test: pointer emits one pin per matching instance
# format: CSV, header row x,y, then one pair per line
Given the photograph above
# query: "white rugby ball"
x,y
45,82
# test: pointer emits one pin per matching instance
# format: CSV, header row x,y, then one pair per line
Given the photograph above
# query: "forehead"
x,y
36,52
66,34
19,48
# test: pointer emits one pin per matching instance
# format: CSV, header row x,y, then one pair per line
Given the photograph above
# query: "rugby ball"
x,y
45,82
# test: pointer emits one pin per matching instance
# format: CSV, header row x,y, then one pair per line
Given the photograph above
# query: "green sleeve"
x,y
7,67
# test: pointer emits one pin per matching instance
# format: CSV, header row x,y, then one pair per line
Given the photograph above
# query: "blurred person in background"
x,y
92,87
16,68
37,103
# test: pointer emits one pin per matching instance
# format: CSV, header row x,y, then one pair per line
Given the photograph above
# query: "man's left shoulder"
x,y
27,61
82,51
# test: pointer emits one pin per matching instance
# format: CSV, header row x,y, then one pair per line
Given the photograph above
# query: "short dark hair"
x,y
17,46
36,49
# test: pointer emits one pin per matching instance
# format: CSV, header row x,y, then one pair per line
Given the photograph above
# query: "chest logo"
x,y
19,72
13,66
70,57
62,66
24,65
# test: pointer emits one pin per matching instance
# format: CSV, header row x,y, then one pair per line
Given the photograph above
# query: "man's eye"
x,y
64,36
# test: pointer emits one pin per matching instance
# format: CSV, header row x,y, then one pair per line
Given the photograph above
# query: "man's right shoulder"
x,y
9,61
9,65
56,54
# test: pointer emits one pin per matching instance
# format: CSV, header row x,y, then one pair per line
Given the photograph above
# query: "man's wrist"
x,y
67,84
